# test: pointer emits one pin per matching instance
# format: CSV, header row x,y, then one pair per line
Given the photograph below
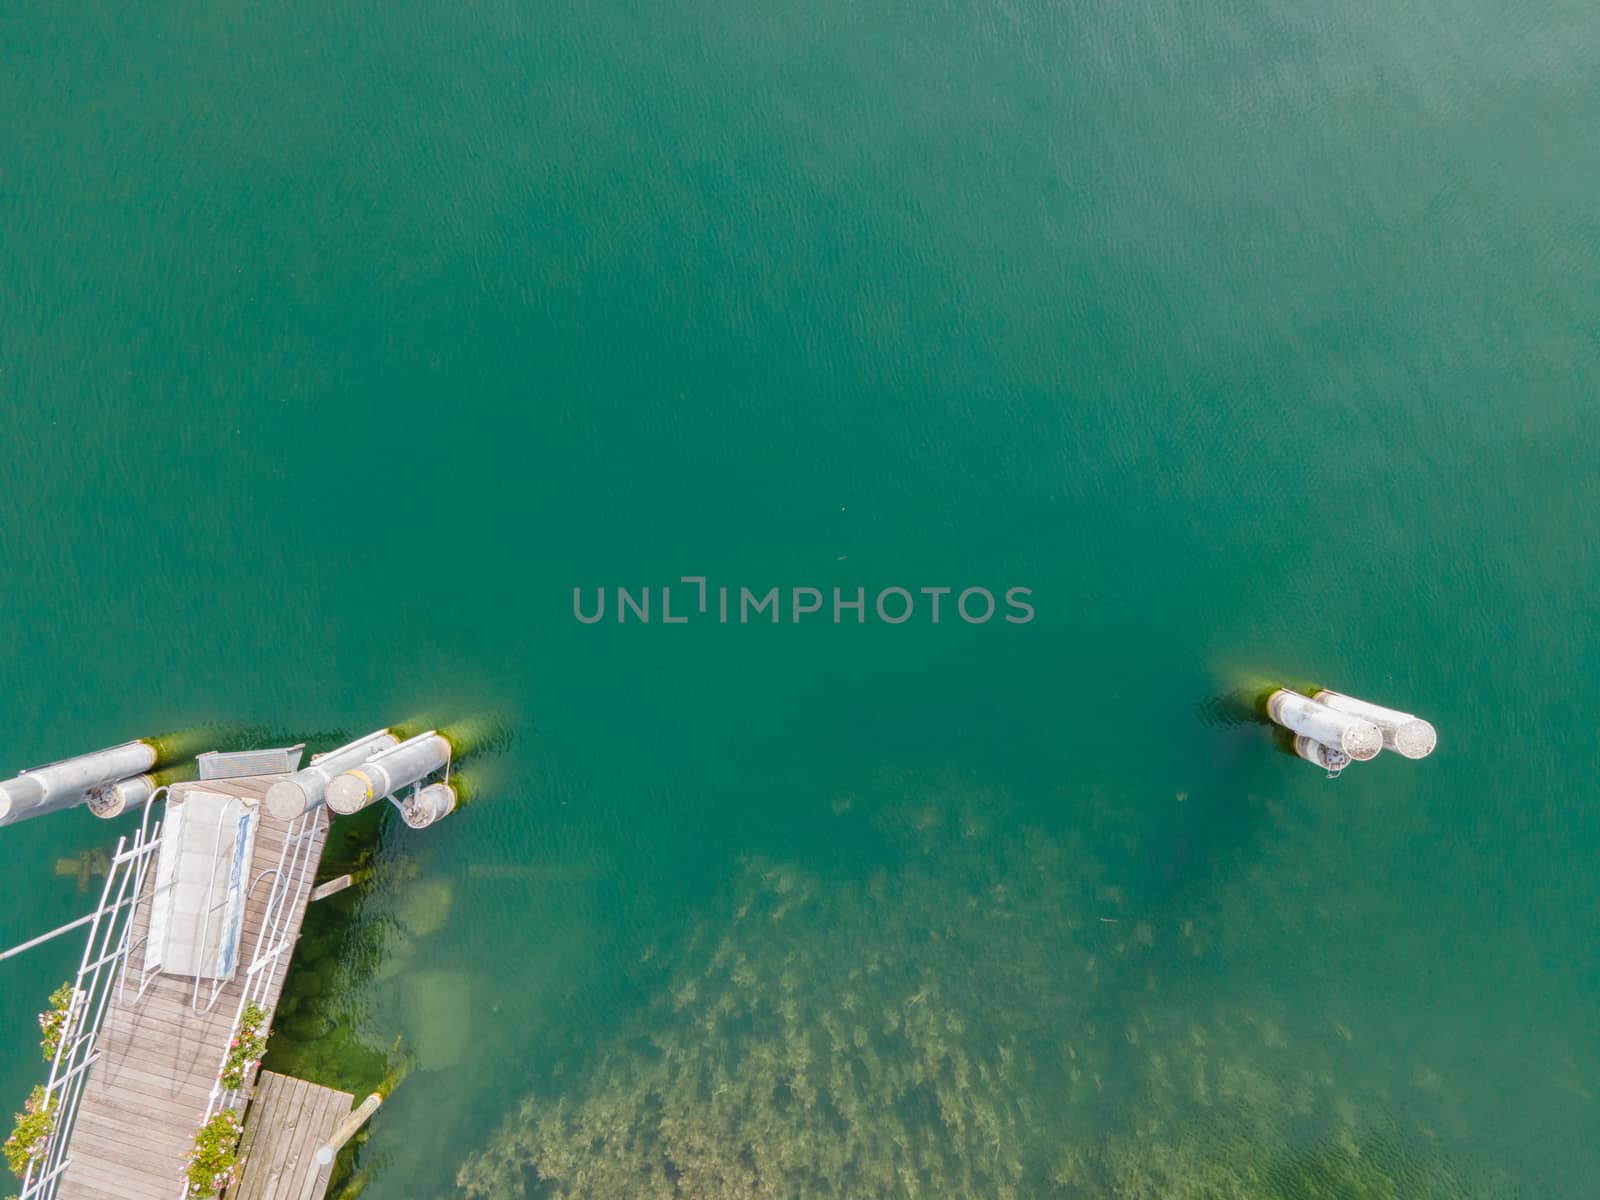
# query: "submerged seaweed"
x,y
984,1019
318,1032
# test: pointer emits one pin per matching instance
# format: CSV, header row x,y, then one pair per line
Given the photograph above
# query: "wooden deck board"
x,y
157,1059
288,1120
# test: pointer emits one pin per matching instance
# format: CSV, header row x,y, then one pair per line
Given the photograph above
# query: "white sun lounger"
x,y
202,880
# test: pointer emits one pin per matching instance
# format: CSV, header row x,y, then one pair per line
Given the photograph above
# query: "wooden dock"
x,y
287,1120
156,1061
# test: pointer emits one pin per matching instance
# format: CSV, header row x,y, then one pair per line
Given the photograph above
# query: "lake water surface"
x,y
339,344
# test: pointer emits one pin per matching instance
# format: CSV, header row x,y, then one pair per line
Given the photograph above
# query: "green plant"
x,y
65,1002
28,1139
214,1161
247,1047
990,1016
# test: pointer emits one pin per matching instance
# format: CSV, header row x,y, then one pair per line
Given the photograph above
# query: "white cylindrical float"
x,y
1358,738
1329,759
423,807
348,1128
384,774
306,789
1406,735
68,782
116,798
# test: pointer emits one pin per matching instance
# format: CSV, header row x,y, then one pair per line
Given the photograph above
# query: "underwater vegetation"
x,y
318,1033
982,1018
1197,1168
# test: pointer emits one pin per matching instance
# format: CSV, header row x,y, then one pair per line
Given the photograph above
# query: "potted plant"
x,y
66,1002
245,1050
214,1161
31,1135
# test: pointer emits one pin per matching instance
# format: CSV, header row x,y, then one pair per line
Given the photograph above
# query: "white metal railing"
x,y
99,976
102,973
291,880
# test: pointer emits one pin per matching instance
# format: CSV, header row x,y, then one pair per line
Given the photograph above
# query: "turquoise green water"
x,y
338,345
